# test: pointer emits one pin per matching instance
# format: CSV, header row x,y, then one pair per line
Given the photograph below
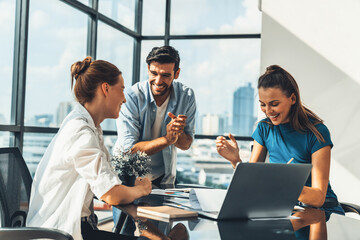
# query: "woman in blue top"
x,y
290,130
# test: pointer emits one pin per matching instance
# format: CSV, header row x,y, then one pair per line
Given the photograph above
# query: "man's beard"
x,y
162,93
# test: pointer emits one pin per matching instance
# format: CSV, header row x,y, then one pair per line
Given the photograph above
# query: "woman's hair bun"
x,y
80,67
273,68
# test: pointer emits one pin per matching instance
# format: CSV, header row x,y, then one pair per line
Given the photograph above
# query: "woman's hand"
x,y
144,184
228,149
121,194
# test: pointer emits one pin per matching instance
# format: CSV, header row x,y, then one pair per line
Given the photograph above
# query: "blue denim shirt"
x,y
138,114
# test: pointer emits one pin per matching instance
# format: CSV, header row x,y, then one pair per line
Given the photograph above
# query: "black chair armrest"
x,y
23,233
350,207
18,219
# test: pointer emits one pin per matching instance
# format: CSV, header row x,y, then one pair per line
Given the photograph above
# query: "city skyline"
x,y
201,60
243,111
212,67
207,124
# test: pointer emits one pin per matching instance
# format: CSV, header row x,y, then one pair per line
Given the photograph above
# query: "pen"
x,y
290,160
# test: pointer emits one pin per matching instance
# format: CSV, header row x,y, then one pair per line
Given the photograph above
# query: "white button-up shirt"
x,y
74,167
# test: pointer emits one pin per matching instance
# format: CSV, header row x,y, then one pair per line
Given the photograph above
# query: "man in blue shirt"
x,y
159,115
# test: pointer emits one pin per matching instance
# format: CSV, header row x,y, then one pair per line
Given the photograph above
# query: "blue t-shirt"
x,y
283,143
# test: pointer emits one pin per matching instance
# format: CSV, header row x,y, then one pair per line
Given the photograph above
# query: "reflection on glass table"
x,y
309,223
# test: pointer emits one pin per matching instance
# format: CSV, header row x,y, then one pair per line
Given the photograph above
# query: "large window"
x,y
86,2
216,70
146,47
117,48
122,11
7,26
219,46
153,18
57,39
215,17
35,145
5,139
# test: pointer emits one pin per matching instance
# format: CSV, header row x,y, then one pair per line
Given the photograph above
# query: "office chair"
x,y
15,187
350,207
23,233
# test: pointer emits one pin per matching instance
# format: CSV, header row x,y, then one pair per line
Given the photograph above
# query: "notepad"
x,y
171,192
166,212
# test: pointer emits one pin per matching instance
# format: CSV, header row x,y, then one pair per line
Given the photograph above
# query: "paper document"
x,y
170,193
182,202
273,218
165,212
179,189
208,200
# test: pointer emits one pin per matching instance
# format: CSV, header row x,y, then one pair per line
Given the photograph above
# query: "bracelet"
x,y
141,225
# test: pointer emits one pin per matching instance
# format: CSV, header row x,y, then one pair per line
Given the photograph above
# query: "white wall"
x,y
318,42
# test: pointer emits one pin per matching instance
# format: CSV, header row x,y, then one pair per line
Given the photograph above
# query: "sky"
x,y
57,38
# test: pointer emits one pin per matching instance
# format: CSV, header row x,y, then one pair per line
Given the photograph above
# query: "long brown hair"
x,y
89,74
301,118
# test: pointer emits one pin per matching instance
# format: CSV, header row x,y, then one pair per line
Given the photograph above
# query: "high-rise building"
x,y
210,124
214,124
41,120
243,111
63,110
198,125
224,124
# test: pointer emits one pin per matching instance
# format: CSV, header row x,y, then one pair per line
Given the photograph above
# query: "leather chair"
x,y
350,207
22,233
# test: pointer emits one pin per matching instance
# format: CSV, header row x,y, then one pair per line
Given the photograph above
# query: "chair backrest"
x,y
350,208
33,233
15,187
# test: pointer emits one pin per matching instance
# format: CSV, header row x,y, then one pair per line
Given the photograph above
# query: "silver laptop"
x,y
262,190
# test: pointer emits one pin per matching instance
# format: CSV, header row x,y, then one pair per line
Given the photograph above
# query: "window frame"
x,y
17,128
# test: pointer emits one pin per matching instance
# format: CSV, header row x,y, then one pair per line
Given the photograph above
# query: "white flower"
x,y
124,163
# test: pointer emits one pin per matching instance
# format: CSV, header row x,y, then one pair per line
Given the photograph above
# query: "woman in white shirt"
x,y
76,165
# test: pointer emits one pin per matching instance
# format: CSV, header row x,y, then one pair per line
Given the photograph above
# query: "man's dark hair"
x,y
164,54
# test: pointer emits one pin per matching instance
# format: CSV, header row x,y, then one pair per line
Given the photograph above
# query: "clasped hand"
x,y
175,127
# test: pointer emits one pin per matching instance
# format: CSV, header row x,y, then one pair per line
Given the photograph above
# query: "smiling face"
x,y
161,77
275,104
116,97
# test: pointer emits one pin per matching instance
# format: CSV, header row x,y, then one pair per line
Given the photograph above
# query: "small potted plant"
x,y
129,165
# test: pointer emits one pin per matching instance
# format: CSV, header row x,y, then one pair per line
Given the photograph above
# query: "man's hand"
x,y
174,135
144,184
175,127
